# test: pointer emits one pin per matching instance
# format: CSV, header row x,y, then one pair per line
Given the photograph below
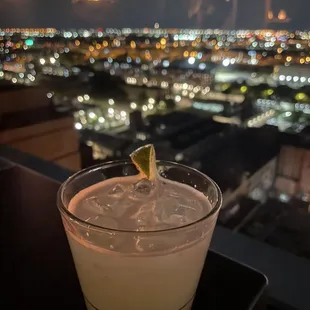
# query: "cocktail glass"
x,y
139,270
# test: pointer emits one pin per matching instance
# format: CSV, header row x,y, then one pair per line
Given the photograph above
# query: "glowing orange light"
x,y
282,15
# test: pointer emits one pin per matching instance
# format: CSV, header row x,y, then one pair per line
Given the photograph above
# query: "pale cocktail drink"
x,y
138,245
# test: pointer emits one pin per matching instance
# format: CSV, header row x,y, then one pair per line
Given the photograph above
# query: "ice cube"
x,y
142,214
177,210
123,208
185,210
94,206
144,218
189,212
175,220
103,221
117,191
143,188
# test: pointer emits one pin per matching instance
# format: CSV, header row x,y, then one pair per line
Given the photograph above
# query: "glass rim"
x,y
63,210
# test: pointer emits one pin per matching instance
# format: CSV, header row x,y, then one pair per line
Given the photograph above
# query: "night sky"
x,y
141,13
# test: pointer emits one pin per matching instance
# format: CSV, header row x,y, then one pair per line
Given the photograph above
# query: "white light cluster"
x,y
164,84
261,119
295,79
210,107
131,80
302,107
267,104
133,105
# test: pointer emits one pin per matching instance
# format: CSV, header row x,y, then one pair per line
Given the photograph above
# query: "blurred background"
x,y
220,85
